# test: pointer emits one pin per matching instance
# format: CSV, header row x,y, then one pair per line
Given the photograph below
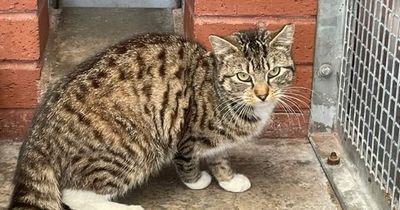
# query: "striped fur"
x,y
155,98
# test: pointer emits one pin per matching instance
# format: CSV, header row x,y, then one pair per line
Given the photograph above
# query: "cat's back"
x,y
142,83
142,61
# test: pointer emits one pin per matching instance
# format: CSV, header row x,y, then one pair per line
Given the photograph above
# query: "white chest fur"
x,y
264,112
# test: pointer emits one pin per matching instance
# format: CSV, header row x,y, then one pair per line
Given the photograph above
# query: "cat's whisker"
x,y
297,91
227,104
228,109
245,113
225,101
238,120
302,89
293,112
289,108
299,100
298,87
297,107
298,103
248,112
292,102
239,108
297,96
284,108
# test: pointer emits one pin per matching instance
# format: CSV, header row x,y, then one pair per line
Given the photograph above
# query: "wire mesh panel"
x,y
369,89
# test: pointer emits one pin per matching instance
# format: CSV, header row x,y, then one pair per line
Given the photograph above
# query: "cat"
x,y
154,99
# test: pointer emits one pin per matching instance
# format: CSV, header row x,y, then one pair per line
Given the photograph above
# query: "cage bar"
x,y
369,89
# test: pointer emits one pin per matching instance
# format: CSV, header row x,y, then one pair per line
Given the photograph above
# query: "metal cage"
x,y
357,80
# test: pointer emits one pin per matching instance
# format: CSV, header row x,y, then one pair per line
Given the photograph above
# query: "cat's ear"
x,y
221,46
283,37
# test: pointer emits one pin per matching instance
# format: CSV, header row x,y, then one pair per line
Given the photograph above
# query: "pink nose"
x,y
261,90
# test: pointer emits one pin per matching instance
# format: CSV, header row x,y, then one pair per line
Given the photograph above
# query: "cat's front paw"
x,y
134,207
203,182
239,183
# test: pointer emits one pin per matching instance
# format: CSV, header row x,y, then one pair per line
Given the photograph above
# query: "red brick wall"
x,y
23,35
221,17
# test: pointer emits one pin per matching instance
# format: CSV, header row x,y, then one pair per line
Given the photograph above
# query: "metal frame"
x,y
356,92
327,62
368,95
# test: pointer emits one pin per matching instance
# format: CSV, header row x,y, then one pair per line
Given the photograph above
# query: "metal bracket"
x,y
328,51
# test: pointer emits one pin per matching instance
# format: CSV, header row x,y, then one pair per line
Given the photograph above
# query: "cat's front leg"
x,y
227,179
187,164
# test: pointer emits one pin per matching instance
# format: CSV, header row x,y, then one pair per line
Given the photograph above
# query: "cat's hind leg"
x,y
87,200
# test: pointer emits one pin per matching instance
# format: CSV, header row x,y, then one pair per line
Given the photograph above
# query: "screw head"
x,y
325,70
333,159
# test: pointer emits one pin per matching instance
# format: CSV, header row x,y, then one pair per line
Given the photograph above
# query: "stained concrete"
x,y
285,174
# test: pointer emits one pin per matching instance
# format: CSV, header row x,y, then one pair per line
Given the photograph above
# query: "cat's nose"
x,y
261,90
262,97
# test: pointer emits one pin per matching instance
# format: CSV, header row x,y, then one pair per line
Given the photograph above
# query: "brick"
x,y
19,36
19,85
303,47
188,20
254,7
18,5
284,125
43,15
14,123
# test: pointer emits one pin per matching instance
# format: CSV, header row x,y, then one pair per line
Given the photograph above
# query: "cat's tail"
x,y
35,186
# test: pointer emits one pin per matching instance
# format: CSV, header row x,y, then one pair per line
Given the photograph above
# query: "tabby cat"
x,y
143,103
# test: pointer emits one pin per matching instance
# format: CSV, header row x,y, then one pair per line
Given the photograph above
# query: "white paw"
x,y
108,205
202,183
239,183
134,207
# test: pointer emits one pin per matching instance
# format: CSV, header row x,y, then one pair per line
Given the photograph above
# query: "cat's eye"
x,y
243,77
274,72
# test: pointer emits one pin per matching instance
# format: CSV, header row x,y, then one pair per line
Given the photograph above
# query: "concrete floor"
x,y
285,174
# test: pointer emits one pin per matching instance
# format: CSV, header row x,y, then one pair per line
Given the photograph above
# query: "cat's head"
x,y
254,65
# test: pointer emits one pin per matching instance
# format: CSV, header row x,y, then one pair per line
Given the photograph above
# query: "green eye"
x,y
243,77
274,72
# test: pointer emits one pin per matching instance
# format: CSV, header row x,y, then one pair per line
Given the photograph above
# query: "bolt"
x,y
325,70
333,159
